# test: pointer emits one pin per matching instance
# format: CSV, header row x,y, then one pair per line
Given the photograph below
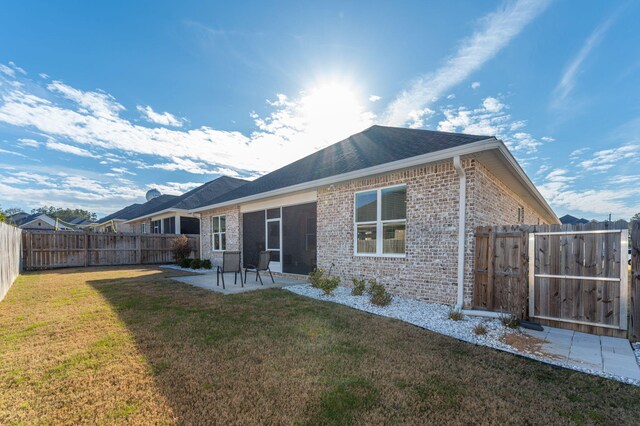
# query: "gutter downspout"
x,y
462,215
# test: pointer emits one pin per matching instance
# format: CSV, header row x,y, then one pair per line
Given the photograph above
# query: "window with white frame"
x,y
143,228
219,231
381,221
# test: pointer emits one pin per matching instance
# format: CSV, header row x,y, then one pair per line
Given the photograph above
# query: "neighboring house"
x,y
173,216
385,204
36,221
572,220
117,222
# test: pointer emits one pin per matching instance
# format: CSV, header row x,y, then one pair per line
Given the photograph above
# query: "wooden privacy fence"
x,y
570,276
60,249
9,256
634,290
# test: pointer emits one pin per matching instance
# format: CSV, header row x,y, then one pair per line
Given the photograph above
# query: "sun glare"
x,y
333,111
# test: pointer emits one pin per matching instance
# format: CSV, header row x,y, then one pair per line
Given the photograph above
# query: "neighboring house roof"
x,y
24,223
568,219
378,150
17,217
192,199
80,221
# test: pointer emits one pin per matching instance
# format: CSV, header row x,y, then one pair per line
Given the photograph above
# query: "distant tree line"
x,y
51,211
65,214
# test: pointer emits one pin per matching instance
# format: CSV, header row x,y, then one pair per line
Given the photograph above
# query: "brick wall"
x,y
233,236
429,270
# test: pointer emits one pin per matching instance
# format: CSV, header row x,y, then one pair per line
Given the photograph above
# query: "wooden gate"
x,y
501,259
568,276
579,277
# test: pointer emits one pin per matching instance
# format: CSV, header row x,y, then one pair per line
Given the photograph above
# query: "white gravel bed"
x,y
178,268
435,317
636,351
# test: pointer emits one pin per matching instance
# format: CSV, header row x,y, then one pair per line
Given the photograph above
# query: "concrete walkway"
x,y
208,281
599,353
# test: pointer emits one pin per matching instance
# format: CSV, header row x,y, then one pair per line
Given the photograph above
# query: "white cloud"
x,y
122,171
4,151
6,70
491,119
568,80
374,98
165,118
32,143
475,85
69,149
607,158
99,104
174,188
35,186
295,128
498,29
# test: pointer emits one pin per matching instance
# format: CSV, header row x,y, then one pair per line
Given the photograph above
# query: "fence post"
x,y
634,302
86,249
139,248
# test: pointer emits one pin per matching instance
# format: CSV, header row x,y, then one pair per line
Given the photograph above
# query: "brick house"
x,y
399,205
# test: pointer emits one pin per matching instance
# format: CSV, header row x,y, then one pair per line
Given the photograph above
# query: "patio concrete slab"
x,y
208,281
600,353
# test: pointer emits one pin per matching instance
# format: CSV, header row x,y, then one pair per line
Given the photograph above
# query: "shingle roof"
x,y
372,147
154,205
119,214
203,194
197,197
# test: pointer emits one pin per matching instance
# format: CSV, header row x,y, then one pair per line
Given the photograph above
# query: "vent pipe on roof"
x,y
462,216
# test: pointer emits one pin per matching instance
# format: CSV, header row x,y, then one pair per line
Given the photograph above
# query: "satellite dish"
x,y
152,193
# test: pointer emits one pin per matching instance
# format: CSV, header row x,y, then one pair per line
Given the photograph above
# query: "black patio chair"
x,y
230,263
264,258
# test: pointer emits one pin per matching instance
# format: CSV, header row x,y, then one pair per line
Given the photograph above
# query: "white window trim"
x,y
219,233
143,228
379,225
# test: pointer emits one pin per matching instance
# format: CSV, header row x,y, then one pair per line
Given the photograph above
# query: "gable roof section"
x,y
195,198
372,147
119,215
33,217
203,194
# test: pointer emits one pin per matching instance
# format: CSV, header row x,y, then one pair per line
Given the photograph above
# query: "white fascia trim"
x,y
158,213
471,148
530,186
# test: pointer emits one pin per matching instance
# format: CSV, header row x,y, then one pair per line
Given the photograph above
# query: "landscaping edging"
x,y
434,317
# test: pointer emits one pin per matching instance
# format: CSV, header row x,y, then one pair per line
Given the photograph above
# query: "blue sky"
x,y
100,102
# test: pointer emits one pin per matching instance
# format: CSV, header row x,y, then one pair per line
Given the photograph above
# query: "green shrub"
x,y
206,264
185,263
455,315
359,287
379,294
315,277
329,284
326,284
195,264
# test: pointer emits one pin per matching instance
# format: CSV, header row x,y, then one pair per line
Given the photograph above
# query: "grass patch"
x,y
130,345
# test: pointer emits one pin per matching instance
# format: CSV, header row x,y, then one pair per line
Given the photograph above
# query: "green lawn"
x,y
129,345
